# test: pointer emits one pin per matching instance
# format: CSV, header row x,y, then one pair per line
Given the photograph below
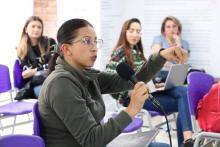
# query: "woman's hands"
x,y
174,54
29,73
138,96
177,40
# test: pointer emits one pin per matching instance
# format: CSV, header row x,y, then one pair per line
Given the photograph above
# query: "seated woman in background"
x,y
171,30
34,51
70,102
129,49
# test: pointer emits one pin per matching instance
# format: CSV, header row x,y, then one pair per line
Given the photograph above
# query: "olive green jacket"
x,y
71,105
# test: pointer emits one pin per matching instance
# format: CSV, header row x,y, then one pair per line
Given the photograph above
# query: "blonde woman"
x,y
171,30
34,51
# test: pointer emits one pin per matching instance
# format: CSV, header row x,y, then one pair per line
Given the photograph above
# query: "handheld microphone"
x,y
127,73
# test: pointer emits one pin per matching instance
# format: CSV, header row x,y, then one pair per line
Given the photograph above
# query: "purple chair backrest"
x,y
199,84
17,74
36,123
5,84
21,141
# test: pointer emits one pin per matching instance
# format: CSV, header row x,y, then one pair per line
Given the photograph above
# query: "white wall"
x,y
200,20
200,29
86,9
13,15
215,53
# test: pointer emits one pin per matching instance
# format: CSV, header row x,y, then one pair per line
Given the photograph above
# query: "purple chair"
x,y
137,122
199,84
17,75
157,113
37,123
135,125
21,141
13,108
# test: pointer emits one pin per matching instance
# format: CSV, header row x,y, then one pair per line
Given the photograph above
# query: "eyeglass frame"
x,y
94,42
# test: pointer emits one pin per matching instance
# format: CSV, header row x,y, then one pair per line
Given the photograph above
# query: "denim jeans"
x,y
37,90
174,100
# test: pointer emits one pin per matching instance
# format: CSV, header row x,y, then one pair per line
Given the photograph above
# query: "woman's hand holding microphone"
x,y
138,97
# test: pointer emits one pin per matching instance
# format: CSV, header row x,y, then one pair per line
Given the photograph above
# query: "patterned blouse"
x,y
119,56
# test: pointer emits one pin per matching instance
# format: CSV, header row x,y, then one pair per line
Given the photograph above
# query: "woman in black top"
x,y
34,51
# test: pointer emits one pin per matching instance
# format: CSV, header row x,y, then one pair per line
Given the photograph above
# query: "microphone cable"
x,y
158,106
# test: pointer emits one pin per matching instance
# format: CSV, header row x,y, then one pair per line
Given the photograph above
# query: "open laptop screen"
x,y
176,77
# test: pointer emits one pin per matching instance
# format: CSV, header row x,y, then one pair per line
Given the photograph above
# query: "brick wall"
x,y
47,11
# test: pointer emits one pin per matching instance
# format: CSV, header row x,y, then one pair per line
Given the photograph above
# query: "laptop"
x,y
176,77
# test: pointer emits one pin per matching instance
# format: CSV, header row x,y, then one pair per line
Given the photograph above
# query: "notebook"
x,y
140,139
176,77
